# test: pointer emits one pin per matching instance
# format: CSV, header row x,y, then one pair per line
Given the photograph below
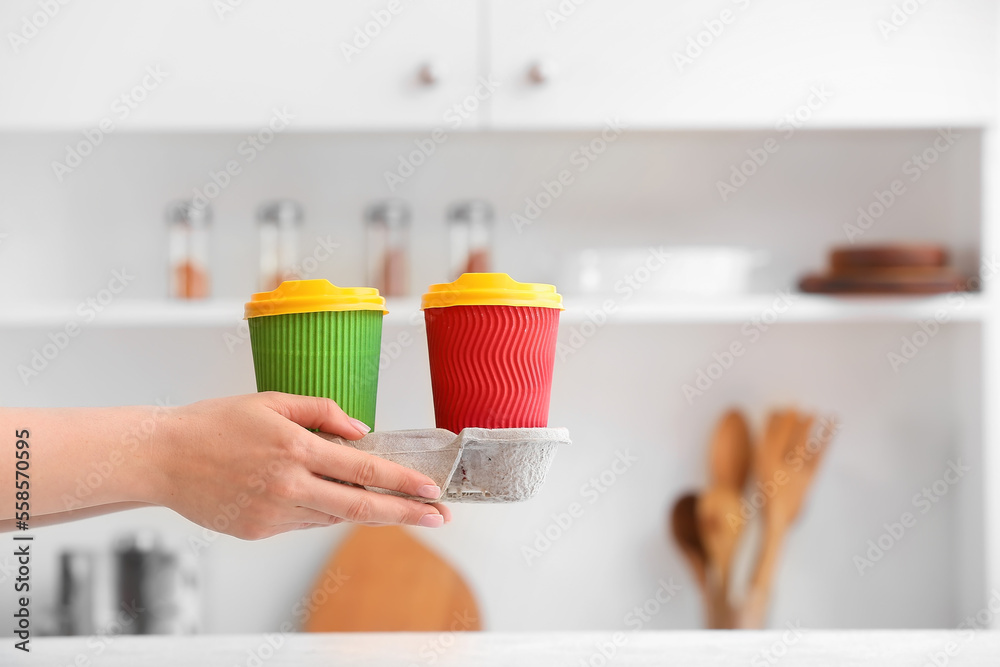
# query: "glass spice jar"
x,y
470,236
187,227
280,222
388,241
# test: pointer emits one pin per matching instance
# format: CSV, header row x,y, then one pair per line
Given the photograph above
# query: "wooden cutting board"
x,y
390,582
892,272
891,254
936,282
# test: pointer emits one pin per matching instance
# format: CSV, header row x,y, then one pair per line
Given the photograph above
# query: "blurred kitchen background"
x,y
746,139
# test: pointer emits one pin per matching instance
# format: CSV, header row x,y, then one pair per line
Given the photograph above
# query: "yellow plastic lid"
x,y
491,289
312,296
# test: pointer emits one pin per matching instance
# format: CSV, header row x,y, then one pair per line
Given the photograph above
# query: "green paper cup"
x,y
313,338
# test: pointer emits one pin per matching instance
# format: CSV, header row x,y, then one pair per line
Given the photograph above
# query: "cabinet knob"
x,y
541,72
428,74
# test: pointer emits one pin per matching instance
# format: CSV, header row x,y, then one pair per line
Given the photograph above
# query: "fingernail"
x,y
429,491
431,521
360,425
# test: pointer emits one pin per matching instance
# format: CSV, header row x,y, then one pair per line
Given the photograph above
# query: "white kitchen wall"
x,y
621,391
618,394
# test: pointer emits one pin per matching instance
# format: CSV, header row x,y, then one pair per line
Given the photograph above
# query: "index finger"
x,y
315,412
344,463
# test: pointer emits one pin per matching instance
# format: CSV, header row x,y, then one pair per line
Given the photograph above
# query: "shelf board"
x,y
221,313
679,123
794,308
123,313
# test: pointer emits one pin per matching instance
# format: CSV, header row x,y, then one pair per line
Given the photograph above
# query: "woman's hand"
x,y
248,466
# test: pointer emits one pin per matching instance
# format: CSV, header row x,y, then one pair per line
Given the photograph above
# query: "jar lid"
x,y
313,296
283,212
491,289
186,211
472,210
391,212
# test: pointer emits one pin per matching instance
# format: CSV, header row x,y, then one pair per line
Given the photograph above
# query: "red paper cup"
x,y
491,363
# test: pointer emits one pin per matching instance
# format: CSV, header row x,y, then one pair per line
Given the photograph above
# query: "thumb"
x,y
316,413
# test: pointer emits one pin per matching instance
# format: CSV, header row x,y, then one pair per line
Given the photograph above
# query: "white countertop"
x,y
882,648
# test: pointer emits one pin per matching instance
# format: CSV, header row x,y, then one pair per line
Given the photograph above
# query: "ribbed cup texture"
x,y
491,366
332,354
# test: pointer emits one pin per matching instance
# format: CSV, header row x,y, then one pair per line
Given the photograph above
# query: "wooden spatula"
x,y
787,440
390,582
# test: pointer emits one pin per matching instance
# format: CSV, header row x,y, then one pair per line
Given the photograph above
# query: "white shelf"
x,y
136,313
123,313
802,308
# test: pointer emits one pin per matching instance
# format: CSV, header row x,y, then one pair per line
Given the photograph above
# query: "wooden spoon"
x,y
729,460
730,454
684,528
720,526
